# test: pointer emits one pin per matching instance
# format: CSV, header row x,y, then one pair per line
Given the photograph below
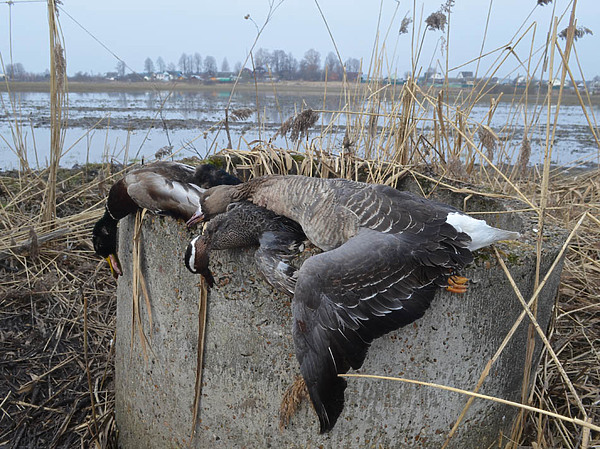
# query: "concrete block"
x,y
249,356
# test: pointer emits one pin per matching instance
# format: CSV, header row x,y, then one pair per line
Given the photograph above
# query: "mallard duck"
x,y
386,253
163,187
245,224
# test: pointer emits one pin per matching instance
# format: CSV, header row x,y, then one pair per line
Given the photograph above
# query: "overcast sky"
x,y
136,29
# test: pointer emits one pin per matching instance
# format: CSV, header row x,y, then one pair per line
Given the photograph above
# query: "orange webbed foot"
x,y
457,284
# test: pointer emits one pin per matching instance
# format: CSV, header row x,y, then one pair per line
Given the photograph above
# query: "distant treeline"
x,y
264,63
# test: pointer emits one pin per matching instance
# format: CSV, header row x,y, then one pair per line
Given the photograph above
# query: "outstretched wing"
x,y
158,193
276,249
371,285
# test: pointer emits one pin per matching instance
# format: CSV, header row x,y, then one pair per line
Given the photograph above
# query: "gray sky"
x,y
137,29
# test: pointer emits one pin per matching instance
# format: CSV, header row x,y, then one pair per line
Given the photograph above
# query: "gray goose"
x,y
386,254
164,187
245,224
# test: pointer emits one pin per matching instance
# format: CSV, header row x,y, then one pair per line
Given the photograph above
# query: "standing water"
x,y
126,126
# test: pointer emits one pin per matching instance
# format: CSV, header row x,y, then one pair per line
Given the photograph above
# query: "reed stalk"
x,y
58,109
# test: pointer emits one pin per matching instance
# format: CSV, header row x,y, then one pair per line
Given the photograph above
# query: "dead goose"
x,y
245,224
387,252
162,187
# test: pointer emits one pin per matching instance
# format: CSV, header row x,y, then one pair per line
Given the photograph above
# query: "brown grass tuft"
x,y
241,114
290,403
436,21
577,34
299,125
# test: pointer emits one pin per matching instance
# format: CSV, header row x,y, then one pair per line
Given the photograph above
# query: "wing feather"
x,y
155,192
369,286
276,249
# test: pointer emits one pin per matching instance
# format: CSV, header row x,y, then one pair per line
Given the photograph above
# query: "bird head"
x,y
104,238
196,258
215,201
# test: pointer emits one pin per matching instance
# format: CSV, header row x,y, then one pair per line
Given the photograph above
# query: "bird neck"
x,y
247,190
119,204
108,220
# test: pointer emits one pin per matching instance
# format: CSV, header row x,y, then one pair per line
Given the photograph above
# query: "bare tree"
x,y
278,61
16,71
148,66
160,64
190,64
120,67
290,67
310,66
333,66
262,58
352,65
225,65
197,63
237,68
210,65
183,64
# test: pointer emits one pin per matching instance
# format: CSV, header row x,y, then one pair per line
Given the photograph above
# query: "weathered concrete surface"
x,y
249,356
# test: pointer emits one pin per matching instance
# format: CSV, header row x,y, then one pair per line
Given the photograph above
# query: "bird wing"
x,y
158,193
276,249
372,284
386,209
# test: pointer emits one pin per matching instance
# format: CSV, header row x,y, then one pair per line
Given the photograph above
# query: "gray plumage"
x,y
387,252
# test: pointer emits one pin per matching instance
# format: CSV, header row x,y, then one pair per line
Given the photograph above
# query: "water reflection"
x,y
127,125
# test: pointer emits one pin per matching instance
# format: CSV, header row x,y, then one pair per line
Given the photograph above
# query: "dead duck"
x,y
245,224
163,187
386,254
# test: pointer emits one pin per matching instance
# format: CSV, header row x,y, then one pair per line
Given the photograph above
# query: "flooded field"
x,y
130,125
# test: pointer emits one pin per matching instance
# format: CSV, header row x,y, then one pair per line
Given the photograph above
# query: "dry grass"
x,y
57,302
46,396
57,317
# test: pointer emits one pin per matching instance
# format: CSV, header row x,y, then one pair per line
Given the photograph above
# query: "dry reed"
x,y
57,302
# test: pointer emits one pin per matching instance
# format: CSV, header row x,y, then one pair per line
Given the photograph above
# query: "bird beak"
x,y
196,218
115,265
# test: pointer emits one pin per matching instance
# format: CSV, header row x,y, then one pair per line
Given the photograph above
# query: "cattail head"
x,y
61,65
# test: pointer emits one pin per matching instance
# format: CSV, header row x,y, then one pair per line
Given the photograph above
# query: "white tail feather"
x,y
480,232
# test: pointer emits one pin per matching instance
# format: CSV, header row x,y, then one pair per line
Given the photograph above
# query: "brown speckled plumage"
x,y
245,224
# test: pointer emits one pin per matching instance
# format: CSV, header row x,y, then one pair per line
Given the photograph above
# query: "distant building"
x,y
433,78
353,76
520,80
465,76
163,76
555,83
